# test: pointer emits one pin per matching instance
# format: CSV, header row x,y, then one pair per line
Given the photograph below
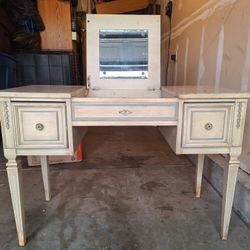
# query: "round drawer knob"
x,y
209,126
39,126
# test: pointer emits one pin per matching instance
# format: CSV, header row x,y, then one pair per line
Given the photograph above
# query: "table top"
x,y
204,91
44,91
182,92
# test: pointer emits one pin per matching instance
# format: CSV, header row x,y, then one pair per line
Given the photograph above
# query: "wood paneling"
x,y
57,19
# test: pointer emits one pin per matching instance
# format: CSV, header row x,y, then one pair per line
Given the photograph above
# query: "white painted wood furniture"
x,y
46,120
122,90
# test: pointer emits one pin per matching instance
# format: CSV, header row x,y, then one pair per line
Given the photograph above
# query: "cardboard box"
x,y
77,157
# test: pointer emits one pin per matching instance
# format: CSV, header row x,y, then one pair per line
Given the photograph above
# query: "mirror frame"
x,y
96,22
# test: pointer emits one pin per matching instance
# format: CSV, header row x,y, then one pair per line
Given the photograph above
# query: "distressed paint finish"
x,y
14,172
206,133
230,176
46,177
199,172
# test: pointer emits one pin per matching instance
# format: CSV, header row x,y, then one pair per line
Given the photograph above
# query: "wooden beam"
x,y
121,6
57,20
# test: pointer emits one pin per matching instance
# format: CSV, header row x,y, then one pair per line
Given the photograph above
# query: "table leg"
x,y
230,180
46,177
14,172
199,173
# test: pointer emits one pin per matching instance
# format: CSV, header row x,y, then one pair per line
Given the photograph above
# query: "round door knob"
x,y
209,126
39,126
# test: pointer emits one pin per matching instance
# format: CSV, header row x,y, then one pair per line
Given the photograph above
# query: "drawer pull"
x,y
125,112
39,126
209,126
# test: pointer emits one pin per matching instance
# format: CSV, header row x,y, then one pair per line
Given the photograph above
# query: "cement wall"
x,y
211,39
212,43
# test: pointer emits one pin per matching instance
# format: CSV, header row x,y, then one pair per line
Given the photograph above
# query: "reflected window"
x,y
123,53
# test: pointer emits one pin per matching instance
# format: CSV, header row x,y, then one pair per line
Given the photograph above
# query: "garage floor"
x,y
130,192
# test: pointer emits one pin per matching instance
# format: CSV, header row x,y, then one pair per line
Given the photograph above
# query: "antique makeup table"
x,y
51,120
123,89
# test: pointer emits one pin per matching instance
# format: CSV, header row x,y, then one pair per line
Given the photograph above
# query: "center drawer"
x,y
40,125
124,112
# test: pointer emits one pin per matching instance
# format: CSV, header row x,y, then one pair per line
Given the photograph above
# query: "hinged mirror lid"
x,y
123,51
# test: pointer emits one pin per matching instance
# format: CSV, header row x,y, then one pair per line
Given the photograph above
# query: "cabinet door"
x,y
40,125
207,124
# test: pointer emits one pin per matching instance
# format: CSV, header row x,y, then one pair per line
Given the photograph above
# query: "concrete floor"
x,y
130,192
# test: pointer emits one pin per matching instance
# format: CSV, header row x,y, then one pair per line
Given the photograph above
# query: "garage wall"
x,y
212,42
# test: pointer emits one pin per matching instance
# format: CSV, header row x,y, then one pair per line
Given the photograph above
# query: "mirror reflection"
x,y
123,53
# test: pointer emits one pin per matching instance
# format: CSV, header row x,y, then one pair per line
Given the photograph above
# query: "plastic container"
x,y
77,157
47,67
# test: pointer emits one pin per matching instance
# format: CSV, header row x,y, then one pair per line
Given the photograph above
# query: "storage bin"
x,y
7,71
47,68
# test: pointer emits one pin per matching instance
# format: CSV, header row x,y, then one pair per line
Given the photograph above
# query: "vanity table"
x,y
121,91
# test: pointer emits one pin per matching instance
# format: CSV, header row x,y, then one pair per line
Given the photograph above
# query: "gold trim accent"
x,y
240,106
6,115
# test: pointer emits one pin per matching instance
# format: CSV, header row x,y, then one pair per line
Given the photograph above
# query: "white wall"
x,y
212,40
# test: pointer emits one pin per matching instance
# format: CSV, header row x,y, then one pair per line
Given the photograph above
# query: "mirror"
x,y
123,53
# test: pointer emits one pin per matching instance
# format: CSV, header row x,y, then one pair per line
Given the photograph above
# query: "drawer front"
x,y
206,125
124,112
40,125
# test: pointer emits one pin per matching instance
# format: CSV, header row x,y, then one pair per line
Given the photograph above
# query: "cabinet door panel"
x,y
40,125
207,124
